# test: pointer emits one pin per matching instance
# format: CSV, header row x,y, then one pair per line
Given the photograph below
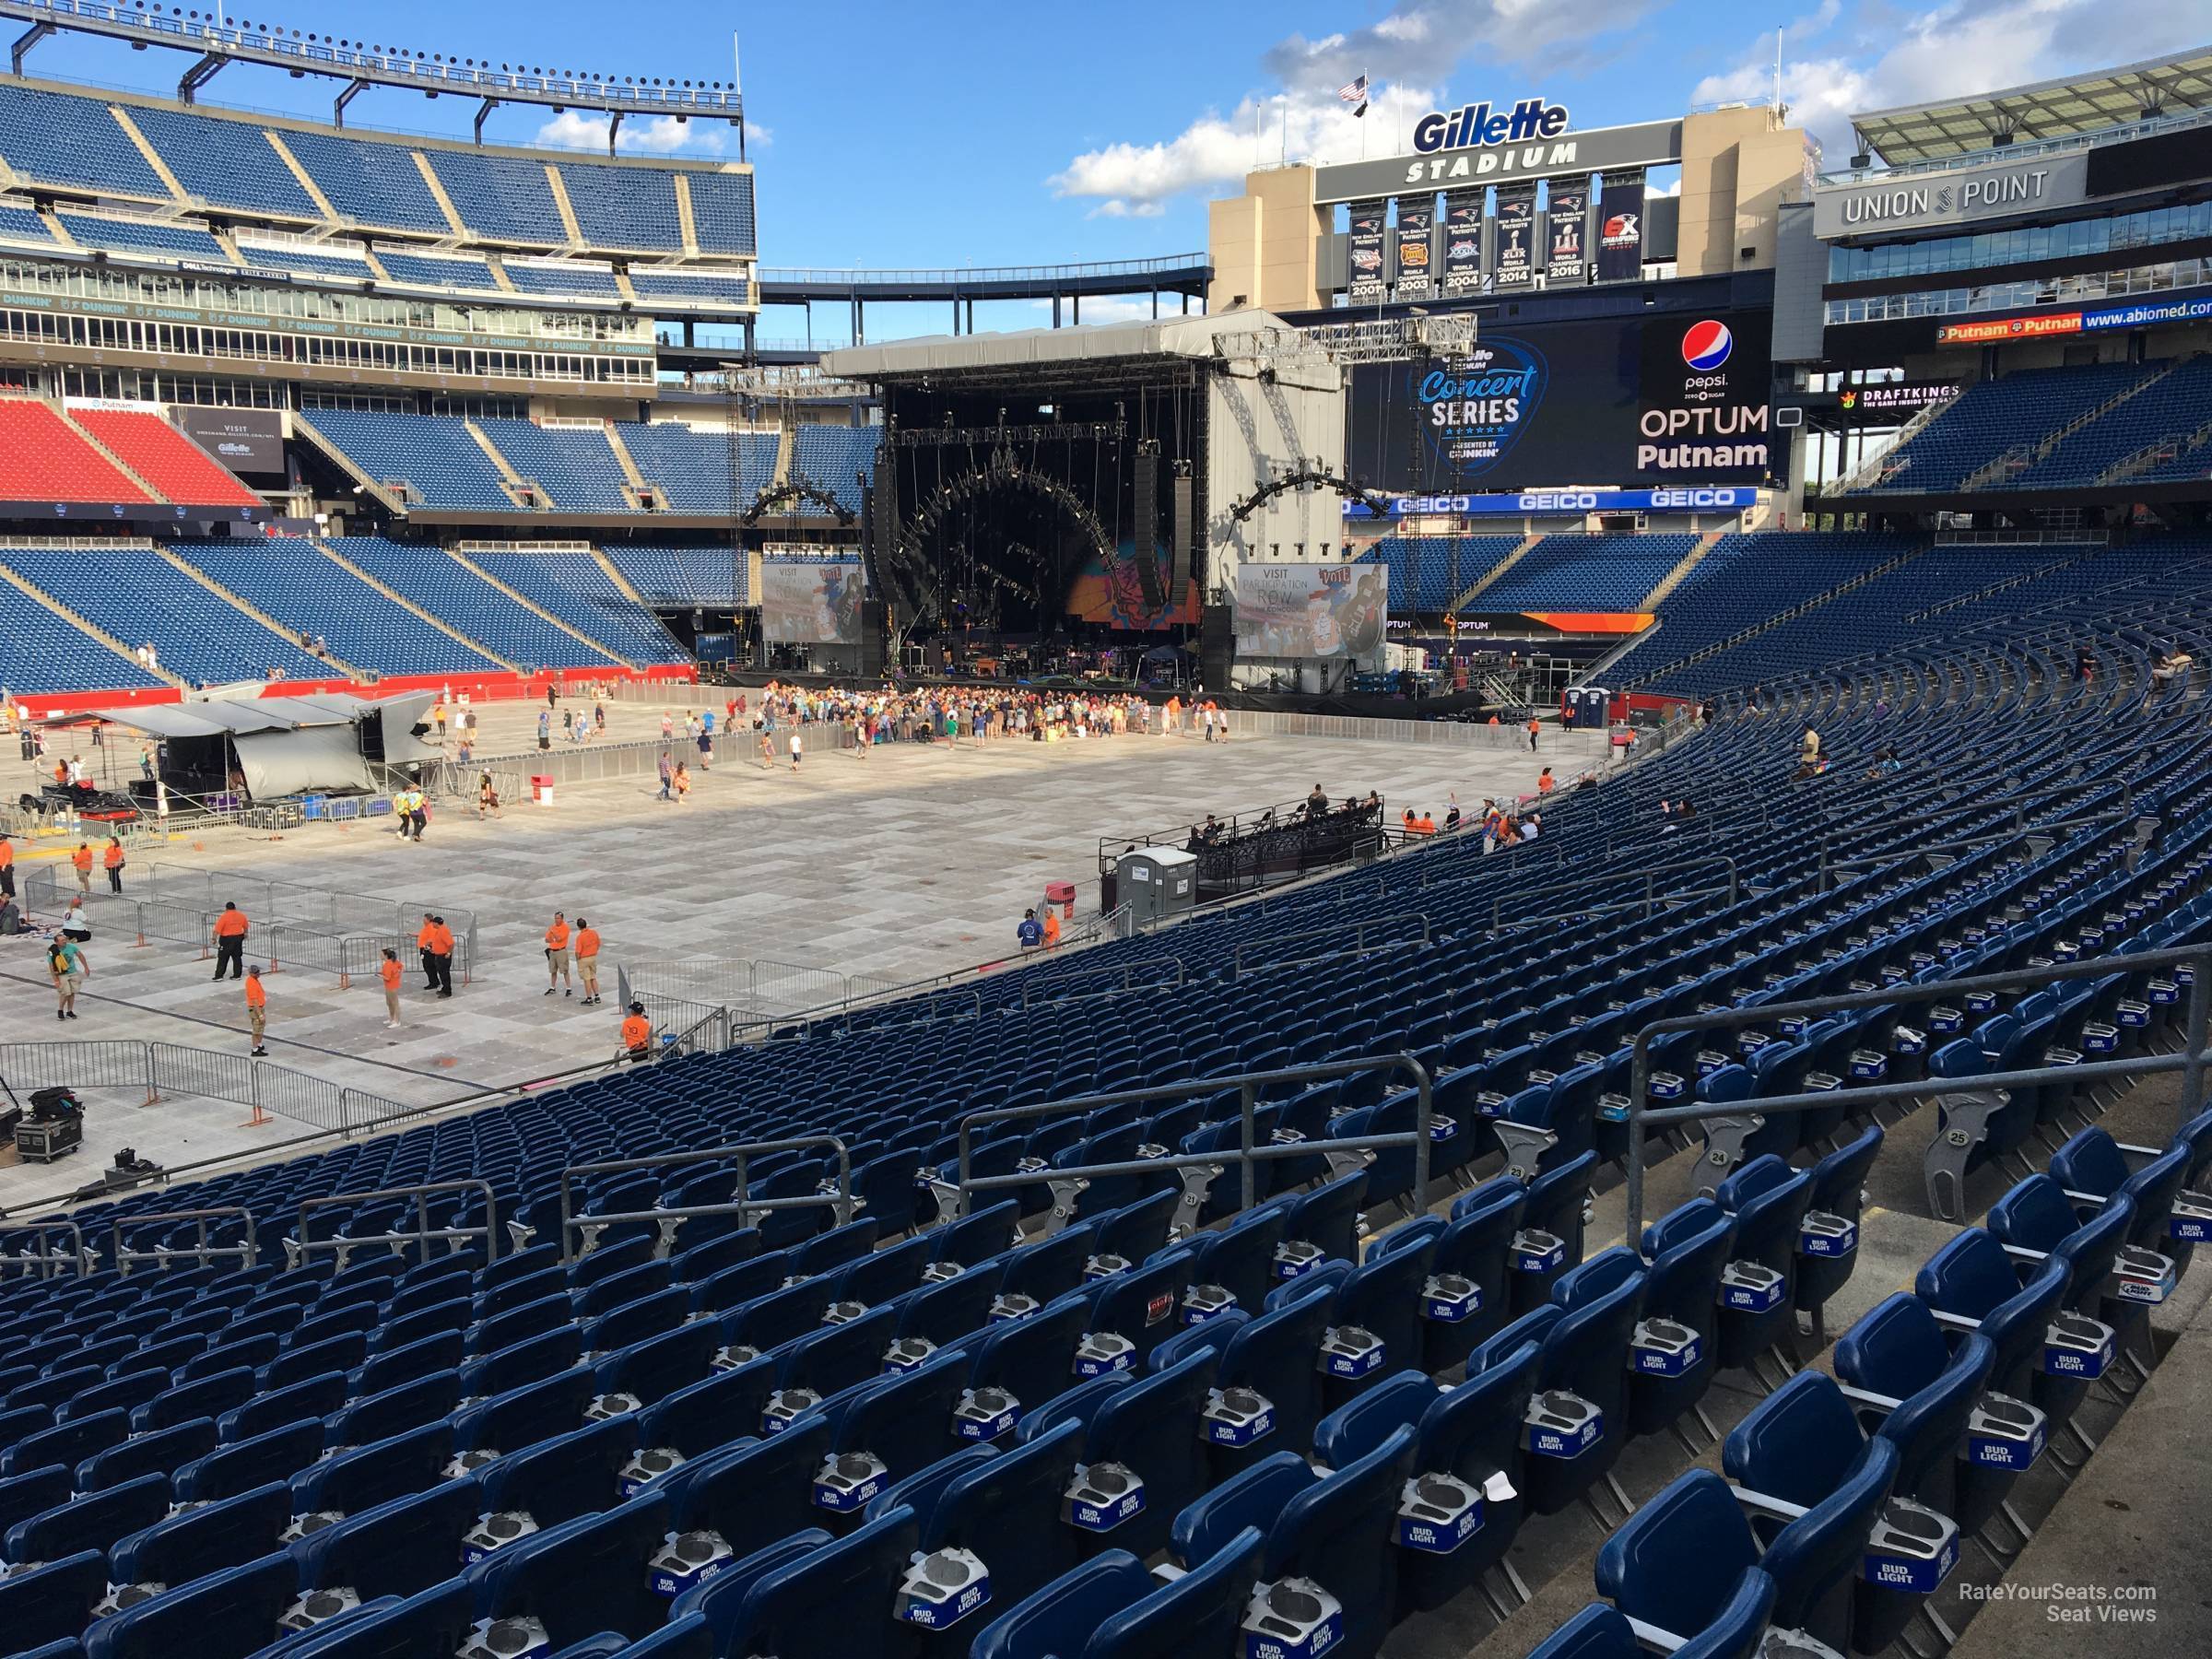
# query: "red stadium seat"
x,y
176,466
42,458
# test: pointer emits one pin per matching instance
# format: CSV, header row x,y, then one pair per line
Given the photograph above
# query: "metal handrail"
x,y
300,1246
248,1253
1357,945
1245,1154
1124,975
1650,887
2190,1062
839,1201
51,1262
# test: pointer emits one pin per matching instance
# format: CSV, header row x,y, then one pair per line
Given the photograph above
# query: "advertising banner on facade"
x,y
1515,265
1367,251
1417,220
1463,242
1621,227
1567,253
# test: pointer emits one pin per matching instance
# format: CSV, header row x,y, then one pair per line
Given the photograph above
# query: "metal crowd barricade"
x,y
1370,934
97,1065
248,1253
49,1263
839,1201
300,1247
1198,1170
2190,1062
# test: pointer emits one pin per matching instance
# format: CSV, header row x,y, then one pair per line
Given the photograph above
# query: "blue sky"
x,y
970,134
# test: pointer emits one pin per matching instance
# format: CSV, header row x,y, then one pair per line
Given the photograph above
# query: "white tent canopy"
x,y
296,745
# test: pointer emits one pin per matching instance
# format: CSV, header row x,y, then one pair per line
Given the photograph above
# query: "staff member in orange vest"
x,y
7,865
587,958
388,971
82,859
637,1033
231,941
257,1007
557,954
111,856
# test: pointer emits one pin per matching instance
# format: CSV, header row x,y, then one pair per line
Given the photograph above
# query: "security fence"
x,y
302,928
165,1069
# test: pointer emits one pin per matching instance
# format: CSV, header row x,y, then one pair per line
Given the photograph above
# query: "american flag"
x,y
1355,93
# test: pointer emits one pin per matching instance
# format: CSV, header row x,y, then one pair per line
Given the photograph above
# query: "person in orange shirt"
x,y
7,865
637,1033
1424,825
82,859
1534,726
387,973
1545,783
557,954
231,941
442,955
424,936
587,958
111,856
1052,927
258,1008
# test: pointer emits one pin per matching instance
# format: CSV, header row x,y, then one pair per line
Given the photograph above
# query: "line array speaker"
x,y
1147,522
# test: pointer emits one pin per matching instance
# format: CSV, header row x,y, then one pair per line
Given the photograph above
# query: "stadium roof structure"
x,y
2067,108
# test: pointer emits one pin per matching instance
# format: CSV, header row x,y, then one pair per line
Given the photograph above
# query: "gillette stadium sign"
x,y
1481,143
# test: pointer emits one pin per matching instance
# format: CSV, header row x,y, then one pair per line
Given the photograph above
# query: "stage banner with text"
x,y
1285,610
810,602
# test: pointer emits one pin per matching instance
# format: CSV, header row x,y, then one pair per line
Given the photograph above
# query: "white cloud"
x,y
1116,208
660,135
1885,59
1404,55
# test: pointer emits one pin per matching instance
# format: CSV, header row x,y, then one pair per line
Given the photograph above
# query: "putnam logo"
x,y
1706,346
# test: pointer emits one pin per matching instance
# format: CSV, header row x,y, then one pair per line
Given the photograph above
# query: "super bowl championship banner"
x,y
1367,251
810,602
1621,227
1463,242
1516,263
1417,278
1311,610
1568,256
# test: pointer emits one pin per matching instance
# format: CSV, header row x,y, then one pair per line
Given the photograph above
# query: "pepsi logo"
x,y
1706,346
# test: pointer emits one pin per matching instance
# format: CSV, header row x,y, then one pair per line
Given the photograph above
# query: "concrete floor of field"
x,y
915,861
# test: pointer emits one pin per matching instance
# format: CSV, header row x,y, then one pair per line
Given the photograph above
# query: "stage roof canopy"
x,y
2065,108
1045,349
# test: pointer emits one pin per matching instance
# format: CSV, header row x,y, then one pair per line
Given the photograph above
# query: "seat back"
x,y
233,1611
1676,1562
906,1421
1032,1358
1895,1348
716,1411
1275,1355
1930,1426
93,1521
1198,1613
1057,1620
1152,1428
198,1541
752,1493
1341,1532
834,1603
571,1475
1008,1512
399,1547
583,1576
1814,1558
1797,1445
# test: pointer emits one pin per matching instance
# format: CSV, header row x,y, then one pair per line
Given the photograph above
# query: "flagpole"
x,y
1366,87
1286,156
737,86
